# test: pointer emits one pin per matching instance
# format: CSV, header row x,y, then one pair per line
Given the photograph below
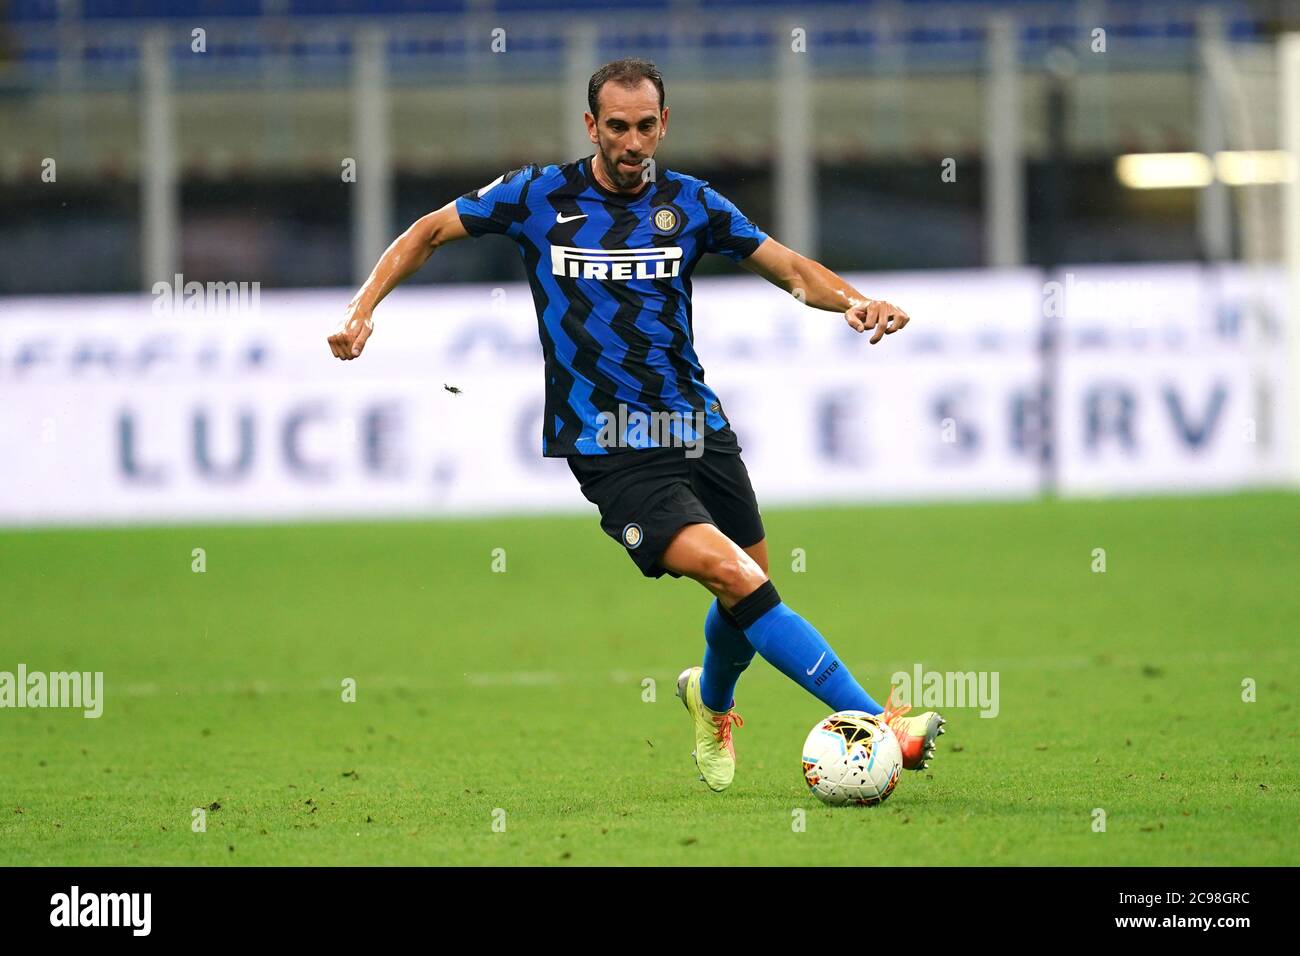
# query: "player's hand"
x,y
876,314
350,339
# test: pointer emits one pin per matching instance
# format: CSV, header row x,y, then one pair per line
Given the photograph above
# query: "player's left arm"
x,y
813,284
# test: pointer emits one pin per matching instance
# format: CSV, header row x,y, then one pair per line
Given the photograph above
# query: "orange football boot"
x,y
916,735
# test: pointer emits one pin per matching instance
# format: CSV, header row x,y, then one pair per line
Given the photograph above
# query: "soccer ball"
x,y
851,757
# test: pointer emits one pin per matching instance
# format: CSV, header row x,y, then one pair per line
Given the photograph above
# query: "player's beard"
x,y
621,176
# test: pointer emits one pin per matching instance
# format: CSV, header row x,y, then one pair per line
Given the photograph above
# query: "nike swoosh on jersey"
x,y
810,670
561,217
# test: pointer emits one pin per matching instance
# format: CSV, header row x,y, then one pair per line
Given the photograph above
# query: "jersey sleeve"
x,y
498,208
729,232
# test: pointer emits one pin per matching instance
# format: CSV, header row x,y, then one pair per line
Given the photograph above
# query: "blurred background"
x,y
1089,206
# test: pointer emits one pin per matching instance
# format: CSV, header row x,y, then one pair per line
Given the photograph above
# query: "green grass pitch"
x,y
479,692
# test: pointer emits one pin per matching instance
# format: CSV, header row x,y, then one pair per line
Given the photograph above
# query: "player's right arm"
x,y
400,260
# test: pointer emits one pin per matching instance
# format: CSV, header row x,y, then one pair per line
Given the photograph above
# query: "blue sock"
x,y
726,653
793,646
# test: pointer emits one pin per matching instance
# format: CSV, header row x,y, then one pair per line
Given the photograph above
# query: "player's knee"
x,y
737,576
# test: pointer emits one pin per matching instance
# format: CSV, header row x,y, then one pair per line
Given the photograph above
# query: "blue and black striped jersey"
x,y
611,282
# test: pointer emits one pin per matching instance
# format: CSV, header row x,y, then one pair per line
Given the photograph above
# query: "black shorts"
x,y
646,496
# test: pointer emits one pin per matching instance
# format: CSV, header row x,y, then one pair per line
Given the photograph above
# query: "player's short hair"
x,y
628,73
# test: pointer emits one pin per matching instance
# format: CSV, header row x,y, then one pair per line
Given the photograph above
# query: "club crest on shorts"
x,y
632,536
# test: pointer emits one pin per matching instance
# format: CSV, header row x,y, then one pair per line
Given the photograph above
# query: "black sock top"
x,y
753,606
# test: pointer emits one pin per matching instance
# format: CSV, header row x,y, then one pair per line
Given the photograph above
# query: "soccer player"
x,y
609,242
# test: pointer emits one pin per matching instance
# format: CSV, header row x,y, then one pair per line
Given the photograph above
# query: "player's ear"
x,y
591,128
663,124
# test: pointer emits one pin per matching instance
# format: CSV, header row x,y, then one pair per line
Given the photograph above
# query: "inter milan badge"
x,y
667,220
632,536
